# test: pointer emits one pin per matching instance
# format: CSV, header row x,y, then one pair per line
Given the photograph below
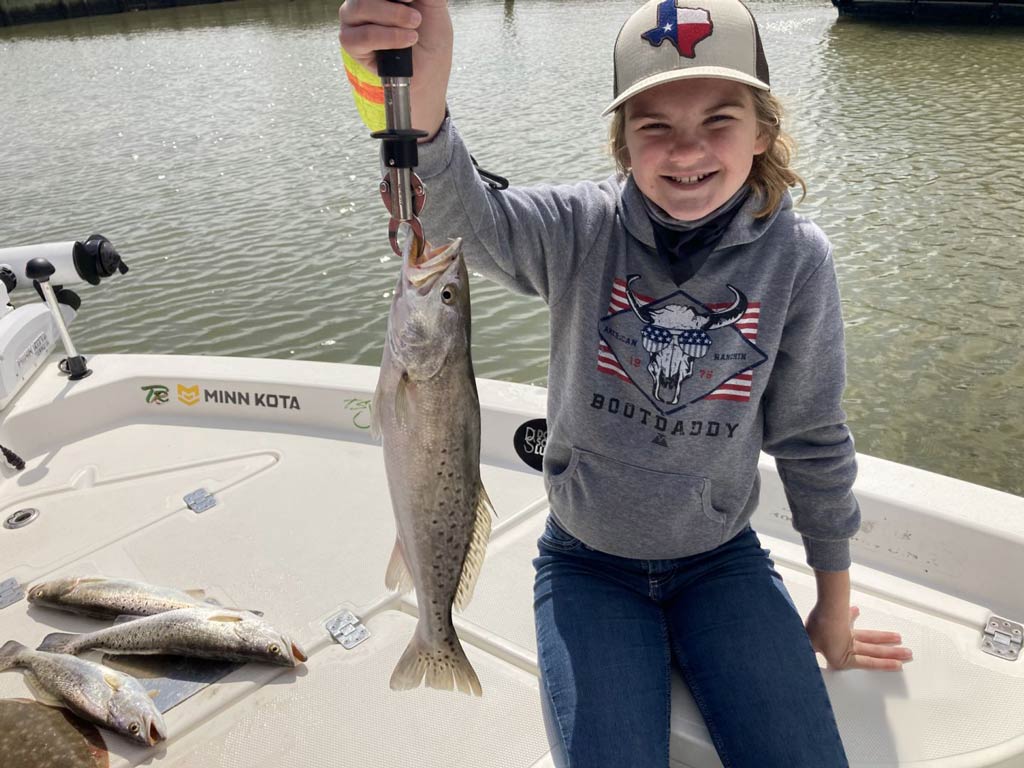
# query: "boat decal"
x,y
361,408
188,395
196,395
529,442
157,394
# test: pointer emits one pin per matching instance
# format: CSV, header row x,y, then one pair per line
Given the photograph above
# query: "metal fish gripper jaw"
x,y
401,189
403,195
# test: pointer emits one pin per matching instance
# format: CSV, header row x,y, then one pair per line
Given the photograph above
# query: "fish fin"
x,y
124,618
112,680
485,500
213,602
9,654
42,695
224,617
402,400
398,577
423,664
476,551
198,594
58,642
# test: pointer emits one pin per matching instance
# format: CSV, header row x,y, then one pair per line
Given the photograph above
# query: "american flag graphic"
x,y
736,388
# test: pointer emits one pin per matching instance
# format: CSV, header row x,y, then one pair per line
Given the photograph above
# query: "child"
x,y
695,321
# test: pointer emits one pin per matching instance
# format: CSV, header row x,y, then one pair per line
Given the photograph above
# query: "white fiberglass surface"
x,y
303,528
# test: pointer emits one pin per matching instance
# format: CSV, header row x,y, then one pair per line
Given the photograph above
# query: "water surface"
x,y
218,148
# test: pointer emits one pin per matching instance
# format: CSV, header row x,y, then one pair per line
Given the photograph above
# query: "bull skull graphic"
x,y
675,336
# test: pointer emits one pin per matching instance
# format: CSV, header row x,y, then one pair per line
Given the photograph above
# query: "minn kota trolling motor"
x,y
29,332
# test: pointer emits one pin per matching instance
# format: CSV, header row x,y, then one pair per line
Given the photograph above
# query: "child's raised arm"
x,y
368,26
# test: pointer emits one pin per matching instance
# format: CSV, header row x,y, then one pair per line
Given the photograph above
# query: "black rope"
x,y
12,458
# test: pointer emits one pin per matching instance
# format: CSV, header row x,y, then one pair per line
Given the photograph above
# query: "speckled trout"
x,y
104,597
427,413
205,633
92,691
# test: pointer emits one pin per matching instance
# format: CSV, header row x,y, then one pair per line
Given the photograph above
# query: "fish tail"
x,y
58,642
444,666
9,654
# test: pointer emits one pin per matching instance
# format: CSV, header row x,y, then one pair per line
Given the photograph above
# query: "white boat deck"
x,y
303,529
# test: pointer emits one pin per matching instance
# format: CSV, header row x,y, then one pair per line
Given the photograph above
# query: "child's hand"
x,y
368,26
847,648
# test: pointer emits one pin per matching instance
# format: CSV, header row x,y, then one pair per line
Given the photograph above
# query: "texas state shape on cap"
x,y
685,27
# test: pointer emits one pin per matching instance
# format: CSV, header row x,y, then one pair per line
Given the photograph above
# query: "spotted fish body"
x,y
107,598
206,633
97,693
427,412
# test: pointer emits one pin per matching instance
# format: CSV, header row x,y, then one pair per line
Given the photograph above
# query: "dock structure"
x,y
991,12
14,12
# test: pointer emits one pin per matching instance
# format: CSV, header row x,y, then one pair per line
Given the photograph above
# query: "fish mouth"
x,y
435,261
156,732
298,654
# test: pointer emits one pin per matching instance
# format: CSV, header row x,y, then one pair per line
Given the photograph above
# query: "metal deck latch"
x,y
347,630
10,592
200,500
1003,638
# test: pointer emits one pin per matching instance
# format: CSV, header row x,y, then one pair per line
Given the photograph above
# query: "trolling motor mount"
x,y
40,270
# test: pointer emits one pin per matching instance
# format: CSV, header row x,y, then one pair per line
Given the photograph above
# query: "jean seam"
x,y
558,722
667,645
716,737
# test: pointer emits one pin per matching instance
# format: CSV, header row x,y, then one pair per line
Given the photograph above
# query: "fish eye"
x,y
275,649
134,727
448,294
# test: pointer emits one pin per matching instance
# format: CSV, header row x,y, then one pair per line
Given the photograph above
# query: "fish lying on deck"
x,y
106,598
427,412
205,633
97,693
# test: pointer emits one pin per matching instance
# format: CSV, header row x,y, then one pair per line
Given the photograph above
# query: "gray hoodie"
x,y
660,397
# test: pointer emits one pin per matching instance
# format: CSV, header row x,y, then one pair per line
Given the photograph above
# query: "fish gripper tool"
x,y
401,189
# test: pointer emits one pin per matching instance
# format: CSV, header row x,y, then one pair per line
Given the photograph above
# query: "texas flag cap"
x,y
667,40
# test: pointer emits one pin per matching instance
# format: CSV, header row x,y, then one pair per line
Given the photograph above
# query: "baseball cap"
x,y
666,40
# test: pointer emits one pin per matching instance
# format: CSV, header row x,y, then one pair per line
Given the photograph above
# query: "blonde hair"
x,y
770,175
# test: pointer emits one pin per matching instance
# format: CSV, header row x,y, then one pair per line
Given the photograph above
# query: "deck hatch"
x,y
347,630
1003,638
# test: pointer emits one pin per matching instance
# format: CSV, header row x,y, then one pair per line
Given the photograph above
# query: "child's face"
x,y
691,143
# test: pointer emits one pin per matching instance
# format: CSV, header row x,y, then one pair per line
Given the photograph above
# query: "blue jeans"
x,y
608,629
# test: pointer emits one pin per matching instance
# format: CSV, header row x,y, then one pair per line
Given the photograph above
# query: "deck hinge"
x,y
1003,638
200,500
10,592
347,630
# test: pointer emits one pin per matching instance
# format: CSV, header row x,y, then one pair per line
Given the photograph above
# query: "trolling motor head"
x,y
73,262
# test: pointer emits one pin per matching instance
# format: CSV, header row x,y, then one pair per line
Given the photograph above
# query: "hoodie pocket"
x,y
636,512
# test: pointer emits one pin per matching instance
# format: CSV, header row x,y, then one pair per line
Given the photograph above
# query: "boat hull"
x,y
302,529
